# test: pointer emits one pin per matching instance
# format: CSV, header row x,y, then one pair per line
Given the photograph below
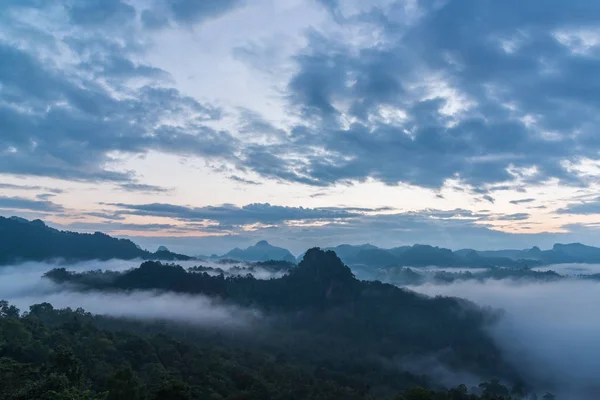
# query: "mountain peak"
x,y
321,264
261,251
38,222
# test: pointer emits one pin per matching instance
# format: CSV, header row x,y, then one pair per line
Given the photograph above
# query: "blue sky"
x,y
213,123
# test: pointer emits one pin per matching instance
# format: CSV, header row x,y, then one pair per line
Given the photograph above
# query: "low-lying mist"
x,y
550,330
571,269
23,286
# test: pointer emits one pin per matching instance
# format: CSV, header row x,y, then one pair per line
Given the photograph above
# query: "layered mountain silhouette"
x,y
321,301
560,253
261,251
420,255
23,240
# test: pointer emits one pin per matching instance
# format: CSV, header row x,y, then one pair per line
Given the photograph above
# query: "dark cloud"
x,y
116,226
238,179
65,121
488,198
101,12
105,215
73,141
464,91
585,208
440,228
186,12
472,90
152,19
140,187
44,196
192,11
24,204
522,201
30,187
513,217
234,215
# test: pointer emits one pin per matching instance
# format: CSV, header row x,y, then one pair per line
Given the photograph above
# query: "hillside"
x,y
23,240
322,302
261,251
420,255
66,354
559,254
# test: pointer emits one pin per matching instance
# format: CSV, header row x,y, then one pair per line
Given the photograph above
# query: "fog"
x,y
571,269
235,268
550,331
433,269
23,285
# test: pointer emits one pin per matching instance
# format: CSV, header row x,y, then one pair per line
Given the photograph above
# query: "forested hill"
x,y
51,354
420,255
336,315
23,240
261,251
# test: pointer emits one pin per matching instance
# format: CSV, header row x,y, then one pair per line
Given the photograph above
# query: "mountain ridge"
x,y
261,251
322,296
22,240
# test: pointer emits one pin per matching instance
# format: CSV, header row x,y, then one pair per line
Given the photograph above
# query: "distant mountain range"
x,y
559,254
422,256
425,255
23,240
261,251
320,302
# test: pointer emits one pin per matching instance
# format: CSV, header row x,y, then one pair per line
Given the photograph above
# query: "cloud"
x,y
238,179
45,196
549,330
23,286
191,11
30,187
488,198
446,91
67,105
455,229
24,204
140,187
451,91
234,215
513,217
101,12
584,208
93,124
522,201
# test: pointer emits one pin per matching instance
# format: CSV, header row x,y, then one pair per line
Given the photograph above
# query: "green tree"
x,y
124,385
172,389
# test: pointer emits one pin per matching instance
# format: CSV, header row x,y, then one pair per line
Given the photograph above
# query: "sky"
x,y
209,124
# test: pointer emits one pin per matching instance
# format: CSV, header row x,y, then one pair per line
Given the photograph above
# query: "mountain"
x,y
23,240
419,255
560,253
346,251
577,252
321,305
261,251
